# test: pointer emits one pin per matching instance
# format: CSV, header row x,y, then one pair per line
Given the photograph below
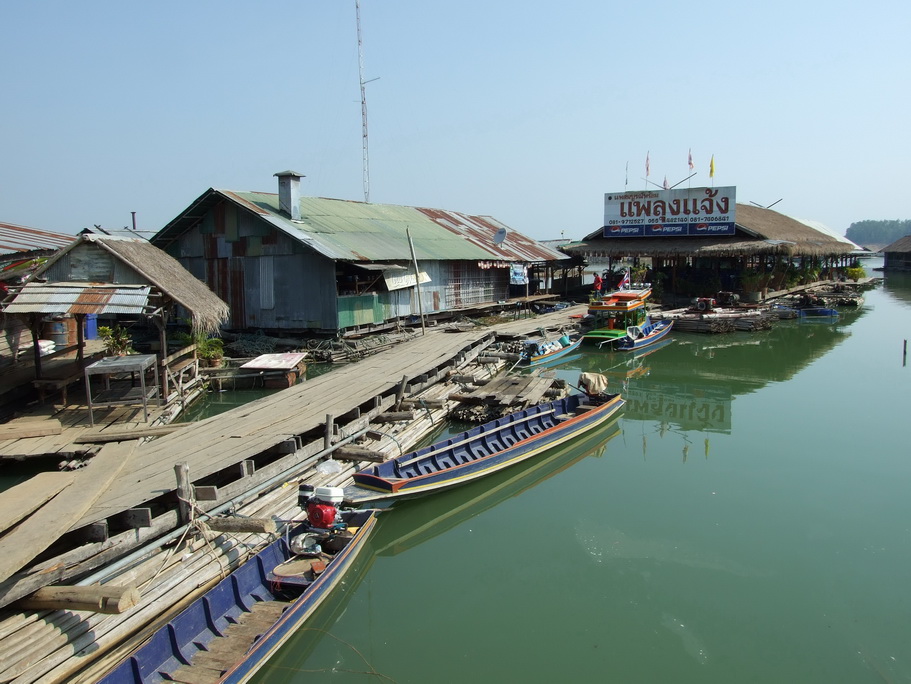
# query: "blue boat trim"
x,y
484,449
194,629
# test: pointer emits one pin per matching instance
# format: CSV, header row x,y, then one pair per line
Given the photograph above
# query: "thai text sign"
x,y
664,213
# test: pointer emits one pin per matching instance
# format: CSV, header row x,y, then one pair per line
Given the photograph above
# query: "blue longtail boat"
x,y
487,448
235,627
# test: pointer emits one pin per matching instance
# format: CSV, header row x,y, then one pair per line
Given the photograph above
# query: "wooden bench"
x,y
58,381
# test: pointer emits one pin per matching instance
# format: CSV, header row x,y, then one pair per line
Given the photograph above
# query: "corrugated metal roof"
x,y
80,298
346,230
15,238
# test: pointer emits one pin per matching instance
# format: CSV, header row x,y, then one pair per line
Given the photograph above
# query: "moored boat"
x,y
235,627
488,448
536,353
611,315
645,335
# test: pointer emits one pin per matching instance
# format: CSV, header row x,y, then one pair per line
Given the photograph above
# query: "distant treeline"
x,y
878,232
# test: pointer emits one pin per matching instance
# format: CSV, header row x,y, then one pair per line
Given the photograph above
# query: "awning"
x,y
80,298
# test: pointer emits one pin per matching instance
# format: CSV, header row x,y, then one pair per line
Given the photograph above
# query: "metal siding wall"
x,y
304,295
266,282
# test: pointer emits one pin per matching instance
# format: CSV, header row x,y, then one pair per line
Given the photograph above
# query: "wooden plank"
x,y
103,436
48,523
25,498
20,430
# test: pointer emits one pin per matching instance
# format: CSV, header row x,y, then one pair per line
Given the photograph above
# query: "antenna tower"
x,y
360,66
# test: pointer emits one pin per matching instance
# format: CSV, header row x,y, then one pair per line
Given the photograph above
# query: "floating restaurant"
x,y
696,242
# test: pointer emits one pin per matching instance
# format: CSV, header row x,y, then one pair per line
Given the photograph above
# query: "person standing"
x,y
597,285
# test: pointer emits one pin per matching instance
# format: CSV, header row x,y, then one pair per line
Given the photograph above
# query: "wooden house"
x,y
22,251
897,256
109,277
289,263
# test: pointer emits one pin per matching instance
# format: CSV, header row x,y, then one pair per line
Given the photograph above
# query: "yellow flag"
x,y
712,167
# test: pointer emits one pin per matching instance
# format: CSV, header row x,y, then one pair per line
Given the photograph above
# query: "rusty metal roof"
x,y
346,230
15,238
80,298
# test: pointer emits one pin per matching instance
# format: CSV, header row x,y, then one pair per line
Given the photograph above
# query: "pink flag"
x,y
692,166
666,186
646,165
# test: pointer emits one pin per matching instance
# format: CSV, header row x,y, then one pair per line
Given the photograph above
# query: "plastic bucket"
x,y
564,341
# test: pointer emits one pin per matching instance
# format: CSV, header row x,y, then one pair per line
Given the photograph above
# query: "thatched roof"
x,y
759,231
900,245
163,272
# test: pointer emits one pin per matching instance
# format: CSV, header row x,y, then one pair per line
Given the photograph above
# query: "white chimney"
x,y
289,193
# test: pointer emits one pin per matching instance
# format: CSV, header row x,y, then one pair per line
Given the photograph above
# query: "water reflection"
x,y
688,383
412,522
415,521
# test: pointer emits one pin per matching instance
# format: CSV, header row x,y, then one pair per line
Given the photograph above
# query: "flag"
x,y
624,281
626,180
646,165
666,185
712,167
690,161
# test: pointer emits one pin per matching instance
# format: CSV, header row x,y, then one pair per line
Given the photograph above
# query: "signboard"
x,y
670,213
395,281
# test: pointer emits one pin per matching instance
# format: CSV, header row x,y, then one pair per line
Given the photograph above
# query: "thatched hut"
x,y
897,256
108,276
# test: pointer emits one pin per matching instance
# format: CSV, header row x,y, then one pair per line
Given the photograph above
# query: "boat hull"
x,y
481,451
192,631
658,333
540,359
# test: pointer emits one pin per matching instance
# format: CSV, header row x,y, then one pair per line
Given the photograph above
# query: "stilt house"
x,y
289,263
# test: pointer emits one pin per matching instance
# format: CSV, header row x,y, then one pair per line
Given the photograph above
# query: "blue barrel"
x,y
564,341
91,326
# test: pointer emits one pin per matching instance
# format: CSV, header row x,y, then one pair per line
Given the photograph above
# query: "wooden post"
x,y
100,599
327,439
401,392
184,492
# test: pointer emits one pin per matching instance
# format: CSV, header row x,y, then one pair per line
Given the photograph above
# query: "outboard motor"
x,y
322,505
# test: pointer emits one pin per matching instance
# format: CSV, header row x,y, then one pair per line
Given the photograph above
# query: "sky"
x,y
525,111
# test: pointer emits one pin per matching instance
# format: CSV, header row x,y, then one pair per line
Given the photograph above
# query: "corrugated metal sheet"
x,y
80,298
15,238
356,231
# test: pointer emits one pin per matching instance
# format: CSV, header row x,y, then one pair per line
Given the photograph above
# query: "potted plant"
x,y
210,350
116,340
752,282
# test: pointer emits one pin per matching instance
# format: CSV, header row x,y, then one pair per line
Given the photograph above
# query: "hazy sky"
x,y
525,111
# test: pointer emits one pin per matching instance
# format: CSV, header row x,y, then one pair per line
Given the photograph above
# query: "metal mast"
x,y
360,65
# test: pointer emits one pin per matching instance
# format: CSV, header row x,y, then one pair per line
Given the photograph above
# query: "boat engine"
x,y
322,505
705,303
727,298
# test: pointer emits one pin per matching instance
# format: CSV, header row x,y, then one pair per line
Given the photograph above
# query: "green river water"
x,y
746,519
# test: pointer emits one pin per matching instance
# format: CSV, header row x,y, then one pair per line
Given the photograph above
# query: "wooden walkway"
x,y
226,440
